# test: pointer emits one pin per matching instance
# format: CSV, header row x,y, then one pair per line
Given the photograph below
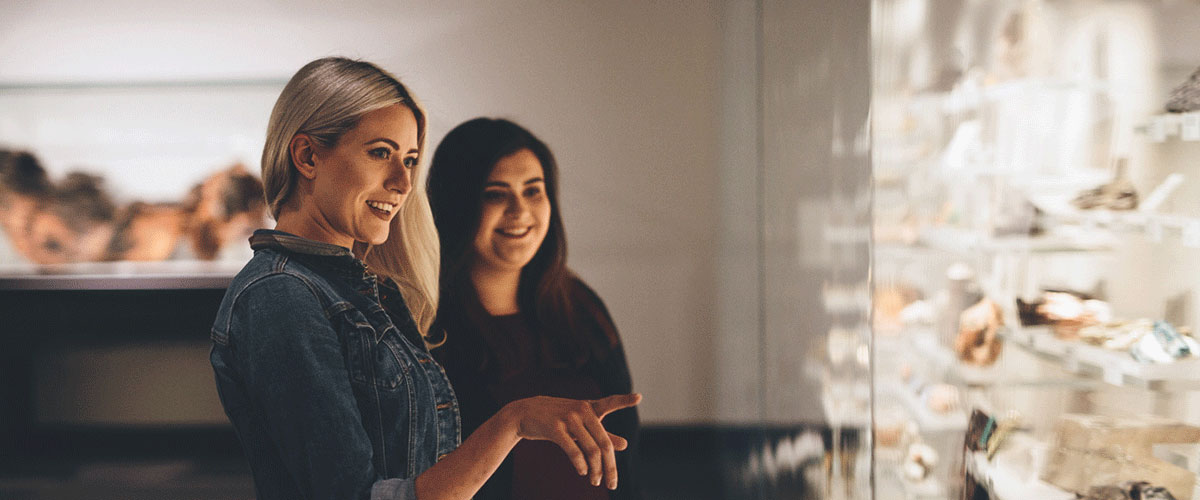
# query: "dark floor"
x,y
692,462
684,462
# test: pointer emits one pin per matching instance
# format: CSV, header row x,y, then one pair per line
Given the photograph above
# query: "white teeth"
x,y
386,207
515,233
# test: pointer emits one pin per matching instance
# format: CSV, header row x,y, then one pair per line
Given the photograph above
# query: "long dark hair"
x,y
548,295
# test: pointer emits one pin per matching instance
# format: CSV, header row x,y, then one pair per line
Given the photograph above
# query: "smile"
x,y
382,206
515,232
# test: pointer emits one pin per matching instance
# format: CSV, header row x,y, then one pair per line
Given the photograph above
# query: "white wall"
x,y
625,92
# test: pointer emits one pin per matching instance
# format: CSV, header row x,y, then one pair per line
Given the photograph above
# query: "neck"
x,y
307,225
497,290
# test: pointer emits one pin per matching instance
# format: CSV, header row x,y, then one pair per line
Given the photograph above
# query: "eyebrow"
x,y
390,143
383,139
505,184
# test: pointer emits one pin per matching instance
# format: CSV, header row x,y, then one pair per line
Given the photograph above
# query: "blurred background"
x,y
715,189
1035,237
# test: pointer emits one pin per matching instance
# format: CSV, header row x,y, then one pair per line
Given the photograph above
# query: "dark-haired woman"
x,y
518,323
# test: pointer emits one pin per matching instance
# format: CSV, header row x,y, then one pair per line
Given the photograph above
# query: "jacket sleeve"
x,y
295,375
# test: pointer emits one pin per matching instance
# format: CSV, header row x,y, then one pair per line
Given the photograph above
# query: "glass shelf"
x,y
927,420
944,360
120,275
1113,367
1160,128
962,241
971,96
1003,476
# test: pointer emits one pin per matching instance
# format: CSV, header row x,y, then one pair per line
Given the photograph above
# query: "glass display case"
x,y
124,208
133,184
1035,249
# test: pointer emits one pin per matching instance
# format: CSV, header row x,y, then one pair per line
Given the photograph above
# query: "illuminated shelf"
x,y
970,96
120,275
1114,367
972,242
1159,128
944,360
1080,231
925,418
1005,481
929,488
1155,227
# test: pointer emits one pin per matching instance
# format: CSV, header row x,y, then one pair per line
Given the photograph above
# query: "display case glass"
x,y
124,212
1035,249
131,184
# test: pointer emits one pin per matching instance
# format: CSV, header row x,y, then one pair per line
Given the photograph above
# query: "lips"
x,y
382,208
515,232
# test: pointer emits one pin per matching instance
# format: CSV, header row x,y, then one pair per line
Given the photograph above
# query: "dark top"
x,y
520,369
324,375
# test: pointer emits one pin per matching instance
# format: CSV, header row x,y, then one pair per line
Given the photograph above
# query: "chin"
x,y
373,238
517,263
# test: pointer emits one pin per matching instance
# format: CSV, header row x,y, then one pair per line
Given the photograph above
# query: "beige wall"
x,y
626,93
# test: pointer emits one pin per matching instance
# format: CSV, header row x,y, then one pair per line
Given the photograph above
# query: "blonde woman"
x,y
320,346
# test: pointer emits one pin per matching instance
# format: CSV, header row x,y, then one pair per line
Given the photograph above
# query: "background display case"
x,y
133,178
107,391
1035,247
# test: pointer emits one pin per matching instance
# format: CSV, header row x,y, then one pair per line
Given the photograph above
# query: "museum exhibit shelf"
x,y
930,488
926,419
165,275
944,360
1036,204
1114,367
1171,126
1011,475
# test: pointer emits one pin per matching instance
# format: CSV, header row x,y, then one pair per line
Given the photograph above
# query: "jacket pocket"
x,y
369,361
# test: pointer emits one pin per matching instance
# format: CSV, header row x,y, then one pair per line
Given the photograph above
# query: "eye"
x,y
533,191
411,162
494,195
381,153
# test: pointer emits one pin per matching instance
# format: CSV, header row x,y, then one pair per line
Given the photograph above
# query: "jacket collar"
x,y
335,258
270,238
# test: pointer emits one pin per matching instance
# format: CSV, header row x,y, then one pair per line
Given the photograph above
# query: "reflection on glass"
x,y
815,217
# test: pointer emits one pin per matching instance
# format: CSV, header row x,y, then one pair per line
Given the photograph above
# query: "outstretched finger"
x,y
591,449
564,441
619,443
607,405
606,448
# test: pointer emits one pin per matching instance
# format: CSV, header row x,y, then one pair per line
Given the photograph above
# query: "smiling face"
x,y
514,215
358,185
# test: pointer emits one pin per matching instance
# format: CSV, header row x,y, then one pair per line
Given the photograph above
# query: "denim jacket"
x,y
322,371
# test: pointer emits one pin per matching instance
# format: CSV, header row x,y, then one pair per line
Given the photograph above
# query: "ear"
x,y
303,151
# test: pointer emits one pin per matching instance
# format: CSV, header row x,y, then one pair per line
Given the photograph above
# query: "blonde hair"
x,y
324,100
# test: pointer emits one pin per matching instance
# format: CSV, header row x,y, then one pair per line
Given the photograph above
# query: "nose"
x,y
517,207
399,178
